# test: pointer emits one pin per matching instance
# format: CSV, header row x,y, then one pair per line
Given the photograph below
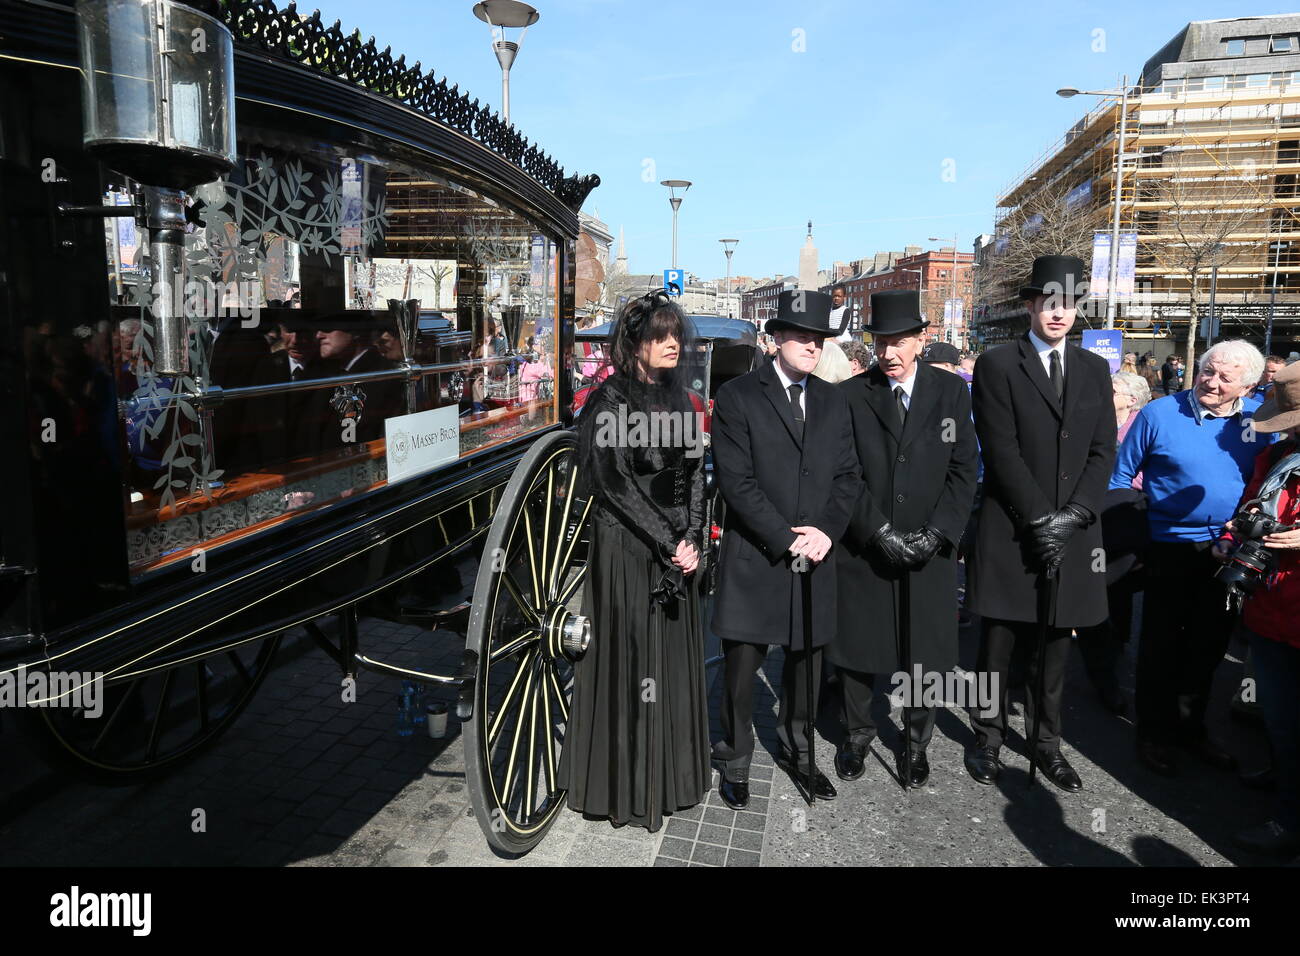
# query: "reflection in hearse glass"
x,y
297,255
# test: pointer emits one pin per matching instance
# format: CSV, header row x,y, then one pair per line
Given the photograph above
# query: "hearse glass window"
x,y
308,266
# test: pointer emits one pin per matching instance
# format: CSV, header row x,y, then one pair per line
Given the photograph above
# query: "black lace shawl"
x,y
651,482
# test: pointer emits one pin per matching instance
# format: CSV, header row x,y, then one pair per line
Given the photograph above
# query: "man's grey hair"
x,y
1236,352
857,350
1135,386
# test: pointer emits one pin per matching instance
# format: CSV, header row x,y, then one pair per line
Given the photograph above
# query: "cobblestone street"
x,y
303,779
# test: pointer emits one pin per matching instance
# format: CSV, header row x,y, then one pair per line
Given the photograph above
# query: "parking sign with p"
x,y
674,281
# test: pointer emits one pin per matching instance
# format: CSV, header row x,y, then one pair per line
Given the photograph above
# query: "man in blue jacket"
x,y
1195,450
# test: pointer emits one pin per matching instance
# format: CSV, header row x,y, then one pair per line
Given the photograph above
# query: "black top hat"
x,y
1057,275
802,309
359,322
895,312
941,352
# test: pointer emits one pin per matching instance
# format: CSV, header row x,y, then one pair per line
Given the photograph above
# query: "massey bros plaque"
x,y
421,442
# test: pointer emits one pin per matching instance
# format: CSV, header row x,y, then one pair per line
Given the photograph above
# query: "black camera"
x,y
1249,564
1256,524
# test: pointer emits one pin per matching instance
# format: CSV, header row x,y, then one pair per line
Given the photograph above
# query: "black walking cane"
x,y
905,655
1047,587
804,568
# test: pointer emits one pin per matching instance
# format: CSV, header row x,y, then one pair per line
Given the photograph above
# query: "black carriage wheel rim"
x,y
534,699
209,724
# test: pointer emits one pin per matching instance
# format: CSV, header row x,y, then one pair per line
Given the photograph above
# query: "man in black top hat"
x,y
346,347
291,426
916,453
1046,427
783,454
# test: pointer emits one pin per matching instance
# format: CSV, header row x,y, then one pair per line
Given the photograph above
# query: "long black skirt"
x,y
637,744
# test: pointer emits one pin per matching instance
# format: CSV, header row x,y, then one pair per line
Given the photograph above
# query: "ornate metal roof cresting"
x,y
330,51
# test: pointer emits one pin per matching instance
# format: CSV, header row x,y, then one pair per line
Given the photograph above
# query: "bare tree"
x,y
1045,223
1203,215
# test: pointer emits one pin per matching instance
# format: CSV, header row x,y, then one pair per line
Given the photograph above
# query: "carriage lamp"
x,y
158,105
500,15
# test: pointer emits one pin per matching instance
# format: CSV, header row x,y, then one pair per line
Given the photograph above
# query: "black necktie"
x,y
902,405
297,373
796,408
1058,379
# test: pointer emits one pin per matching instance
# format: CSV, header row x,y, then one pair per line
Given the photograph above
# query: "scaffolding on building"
x,y
1211,187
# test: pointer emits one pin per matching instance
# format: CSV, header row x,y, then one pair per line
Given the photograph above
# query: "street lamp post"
x,y
728,248
1122,93
675,201
500,14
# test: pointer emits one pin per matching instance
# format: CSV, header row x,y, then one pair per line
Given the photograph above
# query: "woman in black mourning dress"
x,y
637,745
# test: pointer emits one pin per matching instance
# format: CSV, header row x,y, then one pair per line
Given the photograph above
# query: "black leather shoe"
x,y
734,794
1265,779
1211,753
983,764
850,760
1058,770
822,787
920,769
1157,758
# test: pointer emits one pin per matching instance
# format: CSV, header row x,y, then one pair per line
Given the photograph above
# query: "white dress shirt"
x,y
1045,353
907,385
786,382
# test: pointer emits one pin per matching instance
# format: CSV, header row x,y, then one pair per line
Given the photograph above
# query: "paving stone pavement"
x,y
303,779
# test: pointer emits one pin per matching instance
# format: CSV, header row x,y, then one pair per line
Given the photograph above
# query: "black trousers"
x,y
997,644
1186,627
855,695
736,749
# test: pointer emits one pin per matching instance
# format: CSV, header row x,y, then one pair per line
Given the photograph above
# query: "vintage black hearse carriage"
x,y
263,360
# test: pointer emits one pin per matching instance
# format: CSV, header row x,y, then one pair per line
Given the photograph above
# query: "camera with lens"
x,y
1249,564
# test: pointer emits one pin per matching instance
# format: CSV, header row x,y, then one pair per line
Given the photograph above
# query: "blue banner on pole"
x,y
1108,343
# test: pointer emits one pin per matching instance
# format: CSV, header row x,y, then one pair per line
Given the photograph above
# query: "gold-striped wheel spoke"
x,y
548,732
529,636
532,556
528,610
498,720
131,690
559,695
571,588
155,729
508,786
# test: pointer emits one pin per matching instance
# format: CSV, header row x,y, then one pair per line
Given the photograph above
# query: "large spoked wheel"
x,y
150,722
526,637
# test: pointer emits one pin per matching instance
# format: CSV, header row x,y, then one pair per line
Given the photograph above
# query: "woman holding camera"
x,y
637,744
1271,615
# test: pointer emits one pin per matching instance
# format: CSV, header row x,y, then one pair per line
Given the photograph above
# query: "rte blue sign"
x,y
674,281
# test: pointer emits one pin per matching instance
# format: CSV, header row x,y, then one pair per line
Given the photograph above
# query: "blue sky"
x,y
854,132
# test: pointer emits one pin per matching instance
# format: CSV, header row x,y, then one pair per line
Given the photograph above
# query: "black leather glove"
x,y
925,543
1049,534
894,547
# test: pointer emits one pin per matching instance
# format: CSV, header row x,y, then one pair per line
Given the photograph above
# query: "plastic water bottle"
x,y
417,707
406,709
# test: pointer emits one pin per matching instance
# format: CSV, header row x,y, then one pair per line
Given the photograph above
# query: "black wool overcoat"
x,y
918,474
773,479
1040,454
